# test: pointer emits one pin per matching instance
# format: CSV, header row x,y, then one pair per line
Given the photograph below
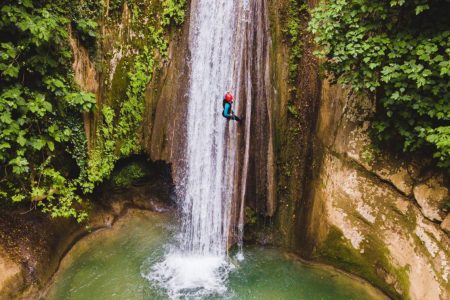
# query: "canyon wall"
x,y
166,99
32,243
340,199
314,182
373,213
162,130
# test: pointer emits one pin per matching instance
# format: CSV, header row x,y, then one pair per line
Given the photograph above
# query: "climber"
x,y
227,111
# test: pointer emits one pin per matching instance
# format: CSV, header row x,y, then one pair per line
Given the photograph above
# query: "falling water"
x,y
199,263
206,199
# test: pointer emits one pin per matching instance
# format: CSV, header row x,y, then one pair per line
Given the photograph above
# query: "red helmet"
x,y
228,97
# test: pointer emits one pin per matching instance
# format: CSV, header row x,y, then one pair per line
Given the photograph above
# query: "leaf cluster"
x,y
399,52
38,100
173,12
292,30
44,157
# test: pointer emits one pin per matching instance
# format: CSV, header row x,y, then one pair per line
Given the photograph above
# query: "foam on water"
x,y
191,275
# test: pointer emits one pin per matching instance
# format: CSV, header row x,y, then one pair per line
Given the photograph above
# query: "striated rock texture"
x,y
85,75
164,127
309,175
372,213
338,198
254,145
274,215
161,132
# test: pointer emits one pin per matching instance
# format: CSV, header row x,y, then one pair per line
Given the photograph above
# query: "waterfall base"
x,y
181,275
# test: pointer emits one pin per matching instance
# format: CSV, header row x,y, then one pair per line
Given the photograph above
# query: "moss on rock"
x,y
374,264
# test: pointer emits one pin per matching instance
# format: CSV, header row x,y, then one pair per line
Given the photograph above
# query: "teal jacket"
x,y
227,112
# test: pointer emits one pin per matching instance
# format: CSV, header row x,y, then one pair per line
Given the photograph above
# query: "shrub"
x,y
399,52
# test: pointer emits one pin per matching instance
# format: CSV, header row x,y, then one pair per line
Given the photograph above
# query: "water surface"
x,y
109,265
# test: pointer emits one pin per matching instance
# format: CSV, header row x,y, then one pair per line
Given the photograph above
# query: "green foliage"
x,y
398,51
369,154
173,11
292,31
102,158
60,195
119,134
84,16
43,148
115,8
286,170
128,175
250,216
37,100
293,111
132,110
440,137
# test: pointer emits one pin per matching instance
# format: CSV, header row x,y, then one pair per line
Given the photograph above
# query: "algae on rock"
x,y
132,46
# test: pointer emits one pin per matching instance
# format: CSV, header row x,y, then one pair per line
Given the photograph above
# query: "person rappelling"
x,y
228,112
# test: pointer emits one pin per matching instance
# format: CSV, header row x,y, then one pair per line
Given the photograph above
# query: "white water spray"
x,y
199,265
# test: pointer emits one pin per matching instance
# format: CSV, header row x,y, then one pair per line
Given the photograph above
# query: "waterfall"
x,y
213,186
209,178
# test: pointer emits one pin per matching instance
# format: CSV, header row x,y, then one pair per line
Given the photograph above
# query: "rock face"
x,y
431,196
161,132
312,171
341,200
164,126
374,214
445,225
11,279
85,77
292,111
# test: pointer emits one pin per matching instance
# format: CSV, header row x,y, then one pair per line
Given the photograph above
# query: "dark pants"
x,y
236,118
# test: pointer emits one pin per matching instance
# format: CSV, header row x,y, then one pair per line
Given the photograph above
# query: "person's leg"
x,y
235,118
